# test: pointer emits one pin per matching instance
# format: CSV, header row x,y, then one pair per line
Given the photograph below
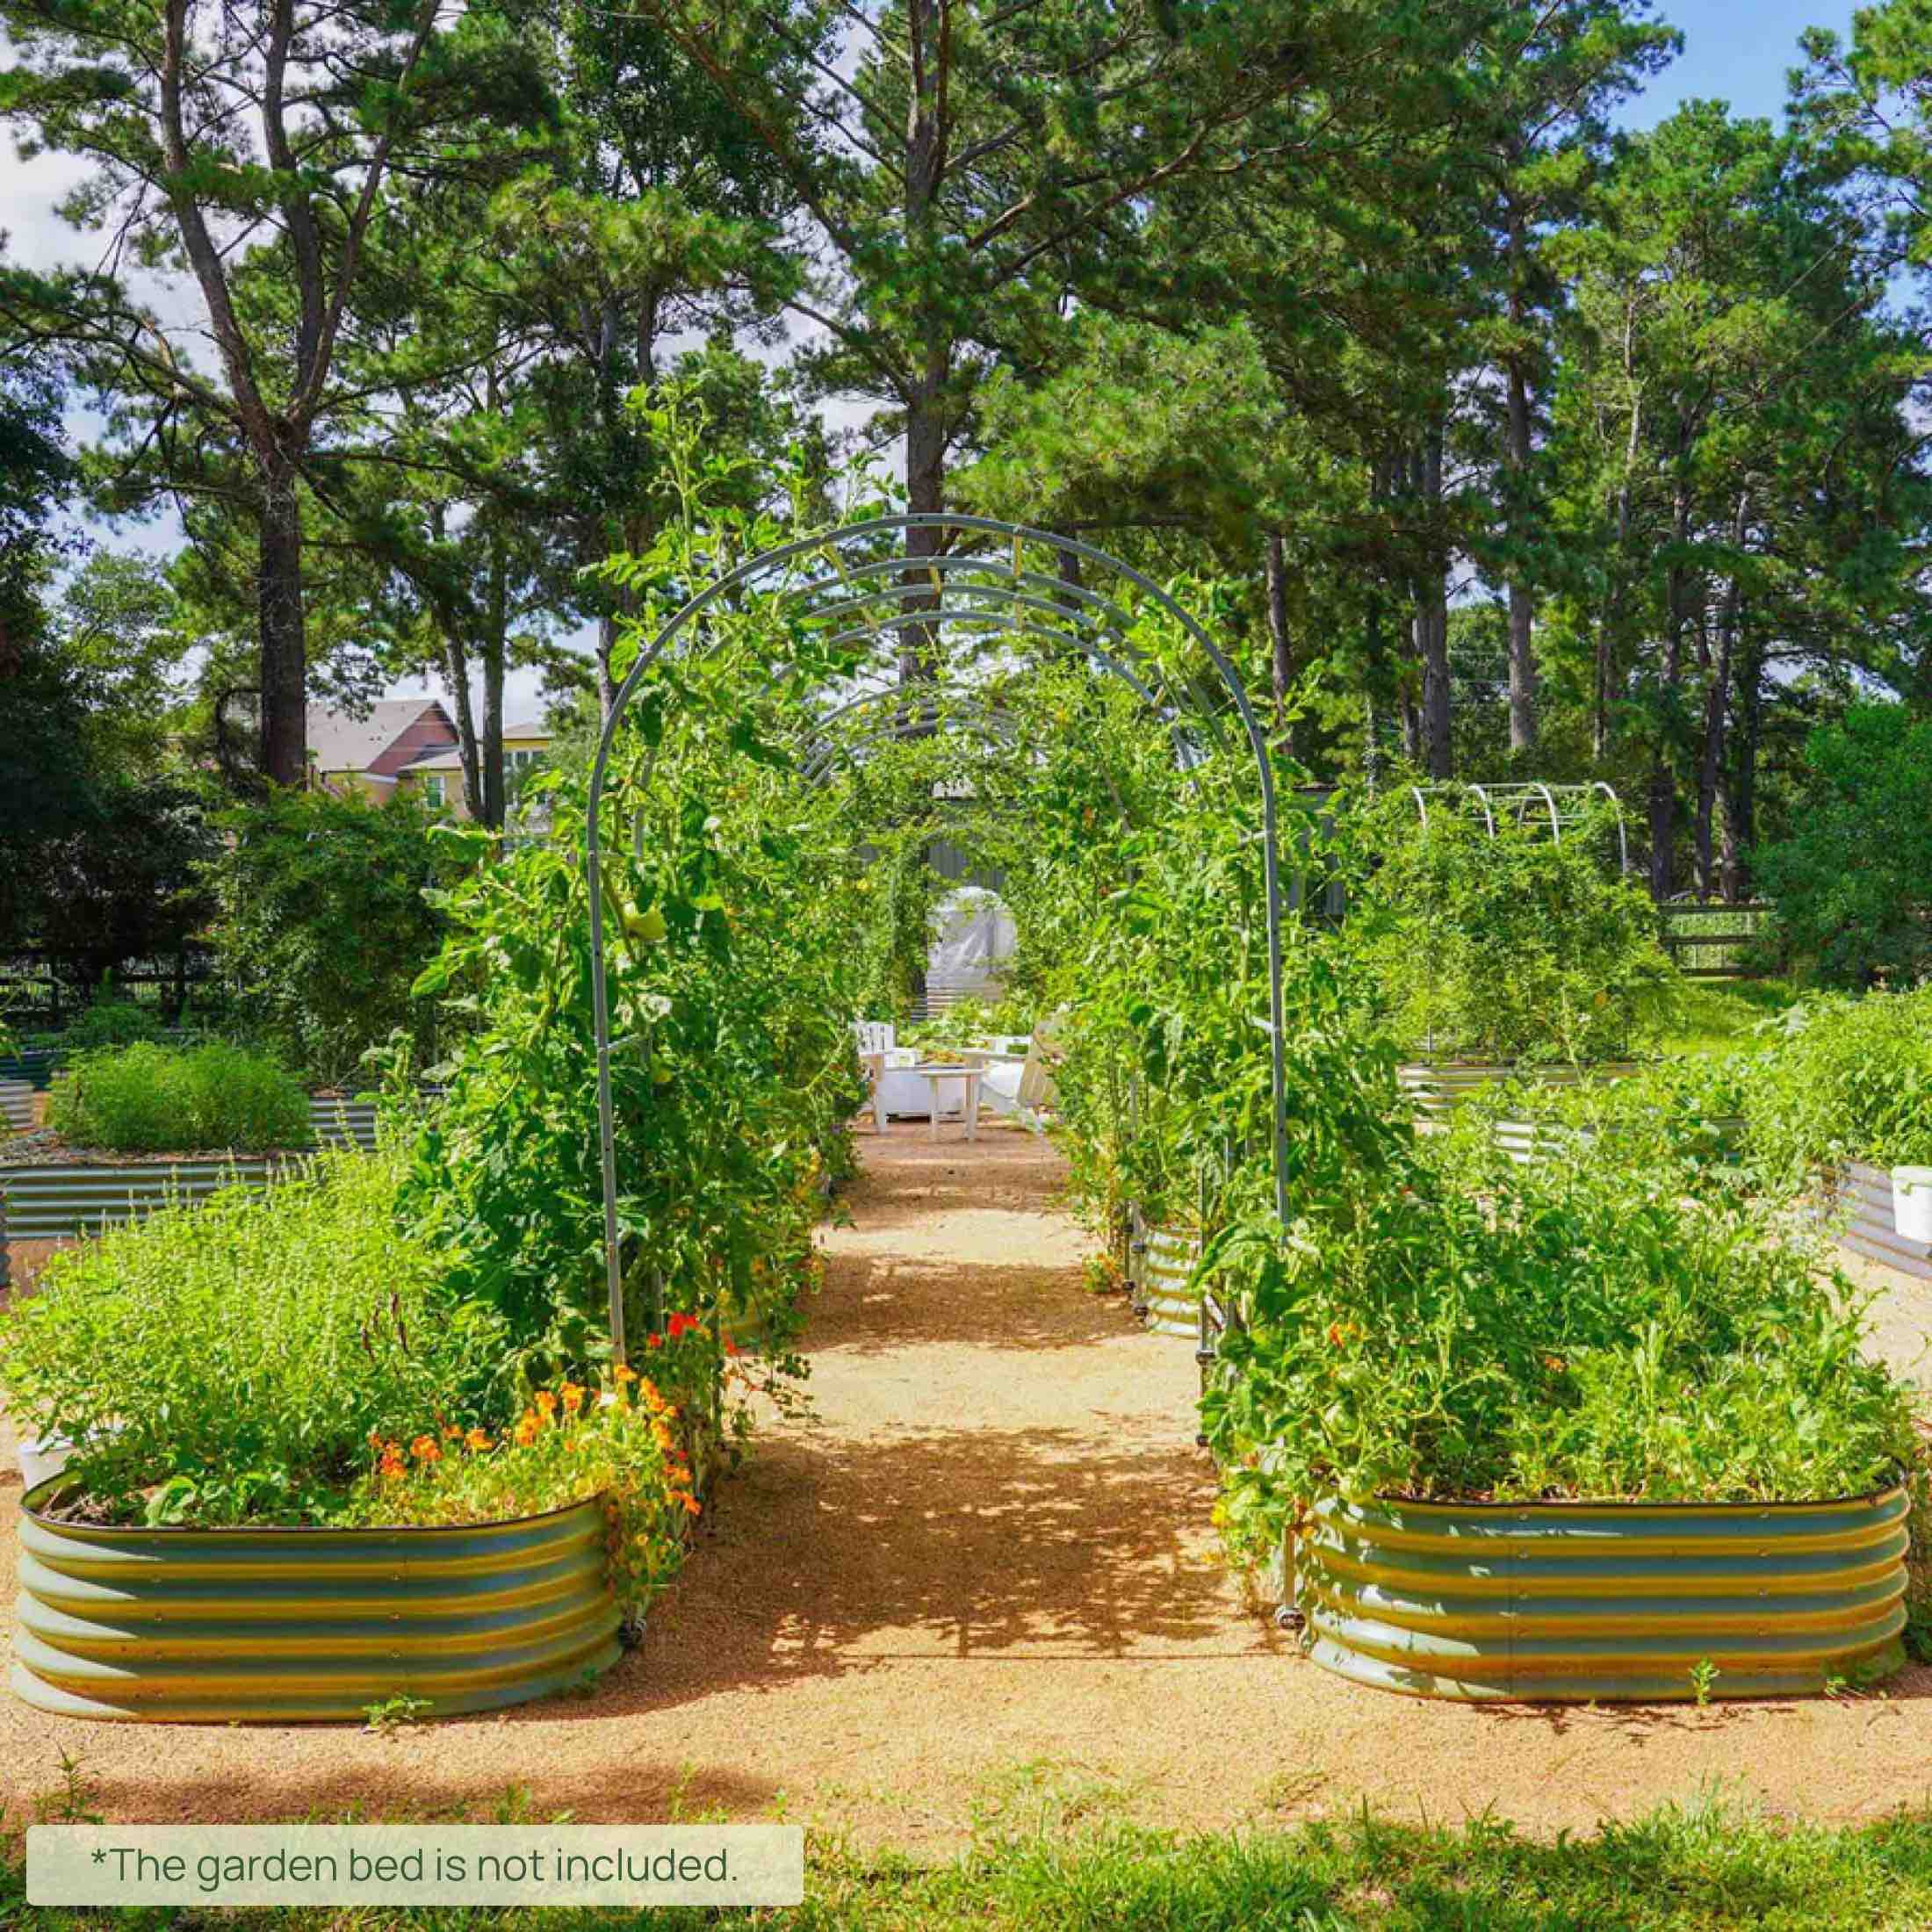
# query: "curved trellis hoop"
x,y
1561,808
856,583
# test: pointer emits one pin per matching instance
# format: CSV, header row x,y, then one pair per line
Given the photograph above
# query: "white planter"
x,y
1912,1203
42,1457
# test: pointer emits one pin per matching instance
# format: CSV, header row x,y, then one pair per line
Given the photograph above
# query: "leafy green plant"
x,y
1844,1079
110,1019
1588,1327
228,1363
1505,944
388,1715
148,1098
324,924
1849,878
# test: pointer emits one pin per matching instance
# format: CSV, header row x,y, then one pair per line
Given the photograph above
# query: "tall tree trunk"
x,y
607,643
1739,824
924,495
1432,625
283,631
928,54
1522,600
1609,623
1663,803
1280,654
456,675
1717,707
495,648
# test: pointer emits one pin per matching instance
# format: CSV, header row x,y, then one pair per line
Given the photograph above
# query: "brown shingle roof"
x,y
340,741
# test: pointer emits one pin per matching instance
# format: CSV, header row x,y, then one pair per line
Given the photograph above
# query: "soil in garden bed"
x,y
44,1148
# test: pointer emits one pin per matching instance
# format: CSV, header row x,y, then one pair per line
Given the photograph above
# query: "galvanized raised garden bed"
x,y
1606,1602
15,1105
1858,1203
56,1200
340,1119
1435,1088
1159,1261
285,1625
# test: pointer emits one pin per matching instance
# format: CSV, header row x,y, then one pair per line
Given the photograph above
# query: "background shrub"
x,y
234,1358
324,927
152,1099
1851,882
1506,947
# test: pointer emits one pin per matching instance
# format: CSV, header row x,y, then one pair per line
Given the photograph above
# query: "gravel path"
x,y
979,1582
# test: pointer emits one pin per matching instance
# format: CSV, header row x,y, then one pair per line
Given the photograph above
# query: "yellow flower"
x,y
476,1439
624,1373
546,1402
573,1398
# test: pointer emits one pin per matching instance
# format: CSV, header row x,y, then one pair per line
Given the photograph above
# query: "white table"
x,y
933,1075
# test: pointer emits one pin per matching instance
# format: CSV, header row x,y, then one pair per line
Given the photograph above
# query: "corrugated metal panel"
x,y
1171,1307
33,1064
51,1200
1437,1088
17,1105
1859,1206
337,1120
1606,1602
213,1626
1527,1143
1159,1261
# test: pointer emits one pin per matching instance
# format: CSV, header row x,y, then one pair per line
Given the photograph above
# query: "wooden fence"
x,y
1710,941
38,993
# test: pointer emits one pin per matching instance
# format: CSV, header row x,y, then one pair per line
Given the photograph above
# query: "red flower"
x,y
653,1341
683,1324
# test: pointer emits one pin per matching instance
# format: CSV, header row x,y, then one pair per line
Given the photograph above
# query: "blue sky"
x,y
1738,51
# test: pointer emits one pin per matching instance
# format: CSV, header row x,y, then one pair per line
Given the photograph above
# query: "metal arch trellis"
x,y
1561,807
1013,603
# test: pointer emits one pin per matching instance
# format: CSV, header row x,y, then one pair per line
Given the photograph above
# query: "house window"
x,y
433,790
518,759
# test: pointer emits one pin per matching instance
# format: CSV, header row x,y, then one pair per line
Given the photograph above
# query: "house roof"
x,y
340,741
450,758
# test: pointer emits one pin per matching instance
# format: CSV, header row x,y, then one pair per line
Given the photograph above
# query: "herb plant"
x,y
226,1362
148,1098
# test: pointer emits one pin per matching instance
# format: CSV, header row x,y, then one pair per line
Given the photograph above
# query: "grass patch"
x,y
1702,1867
1722,1017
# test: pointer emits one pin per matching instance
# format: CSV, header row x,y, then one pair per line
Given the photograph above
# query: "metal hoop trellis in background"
x,y
1532,805
976,584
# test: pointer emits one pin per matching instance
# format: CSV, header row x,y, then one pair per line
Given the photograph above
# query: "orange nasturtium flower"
x,y
624,1373
526,1431
546,1402
476,1439
424,1449
573,1398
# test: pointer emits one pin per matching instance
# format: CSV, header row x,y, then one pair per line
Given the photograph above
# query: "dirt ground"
x,y
980,1582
